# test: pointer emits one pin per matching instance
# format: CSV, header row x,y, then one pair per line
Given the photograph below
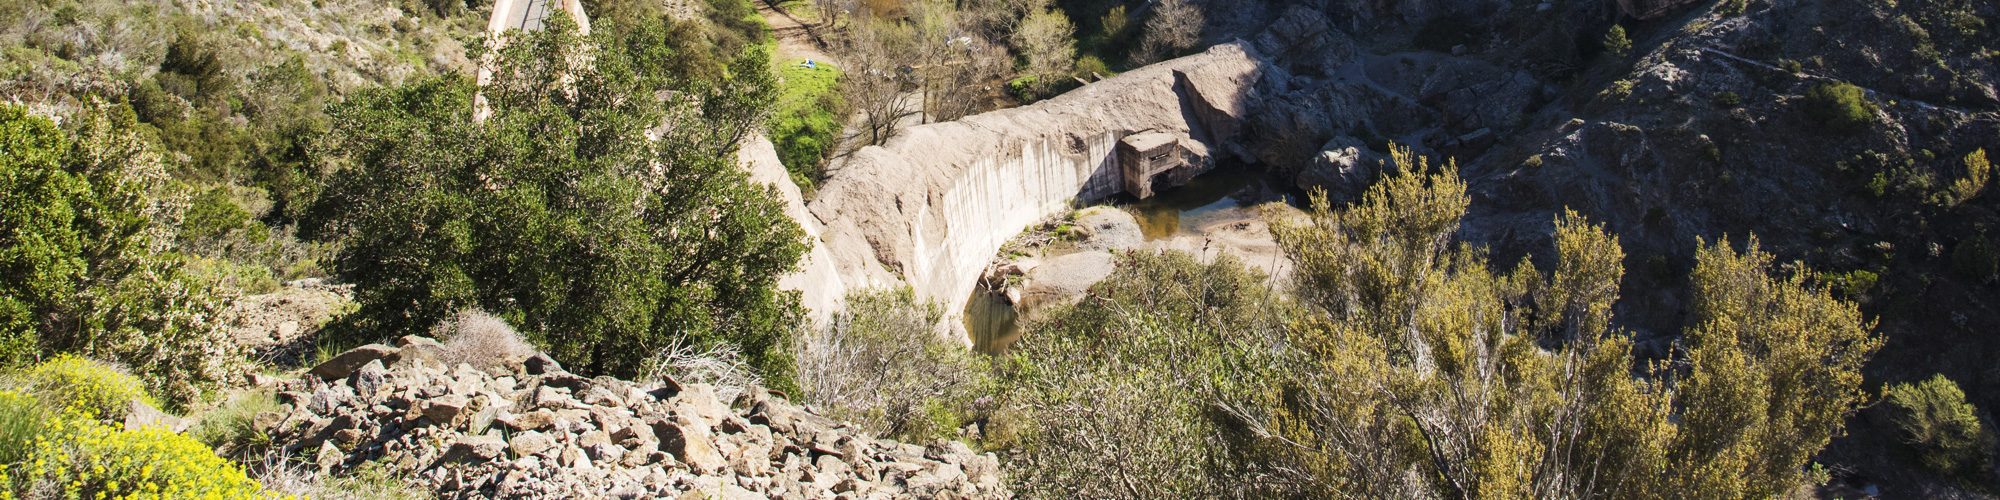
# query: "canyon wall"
x,y
931,207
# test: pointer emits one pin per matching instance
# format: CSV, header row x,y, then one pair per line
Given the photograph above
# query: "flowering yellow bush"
x,y
88,459
85,388
59,439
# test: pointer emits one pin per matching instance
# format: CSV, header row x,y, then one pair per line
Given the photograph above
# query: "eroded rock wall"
x,y
931,207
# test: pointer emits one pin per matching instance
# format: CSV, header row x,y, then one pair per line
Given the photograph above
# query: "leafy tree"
x,y
86,224
1047,40
1945,430
598,208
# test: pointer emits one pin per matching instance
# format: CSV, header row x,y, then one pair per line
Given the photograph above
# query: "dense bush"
x,y
84,262
882,365
1418,357
1840,106
1123,386
1944,430
1410,369
558,212
1975,257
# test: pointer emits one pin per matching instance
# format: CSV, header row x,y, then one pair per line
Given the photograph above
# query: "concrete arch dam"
x,y
930,208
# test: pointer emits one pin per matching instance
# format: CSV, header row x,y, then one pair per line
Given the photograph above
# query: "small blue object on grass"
x,y
809,64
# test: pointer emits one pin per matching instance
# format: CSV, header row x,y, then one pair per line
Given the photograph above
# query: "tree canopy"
x,y
598,207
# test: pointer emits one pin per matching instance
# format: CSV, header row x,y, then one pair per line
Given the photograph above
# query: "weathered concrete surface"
x,y
820,286
930,208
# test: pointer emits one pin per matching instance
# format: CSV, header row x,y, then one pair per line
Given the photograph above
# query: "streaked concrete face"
x,y
530,15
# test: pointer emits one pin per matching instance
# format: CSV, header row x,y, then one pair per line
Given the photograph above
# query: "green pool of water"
x,y
1226,188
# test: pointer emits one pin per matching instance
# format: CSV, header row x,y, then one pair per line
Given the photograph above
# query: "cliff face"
x,y
930,208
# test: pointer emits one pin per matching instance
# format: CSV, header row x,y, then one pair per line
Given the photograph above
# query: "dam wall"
x,y
931,207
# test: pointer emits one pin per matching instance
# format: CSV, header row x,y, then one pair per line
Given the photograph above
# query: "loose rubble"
x,y
529,429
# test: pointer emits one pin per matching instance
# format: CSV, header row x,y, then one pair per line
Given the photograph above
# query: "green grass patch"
x,y
807,122
803,10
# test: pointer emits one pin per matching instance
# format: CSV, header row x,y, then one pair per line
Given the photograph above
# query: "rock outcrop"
x,y
930,207
531,430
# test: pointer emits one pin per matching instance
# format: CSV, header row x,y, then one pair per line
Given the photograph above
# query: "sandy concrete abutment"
x,y
930,208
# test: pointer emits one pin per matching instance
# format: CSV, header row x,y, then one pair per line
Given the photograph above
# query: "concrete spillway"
x,y
931,207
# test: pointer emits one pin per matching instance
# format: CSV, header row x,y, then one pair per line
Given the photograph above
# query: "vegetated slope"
x,y
1844,134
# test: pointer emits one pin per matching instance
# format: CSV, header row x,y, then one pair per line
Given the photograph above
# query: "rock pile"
x,y
529,429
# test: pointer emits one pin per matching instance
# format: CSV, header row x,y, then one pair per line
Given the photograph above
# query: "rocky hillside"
x,y
525,428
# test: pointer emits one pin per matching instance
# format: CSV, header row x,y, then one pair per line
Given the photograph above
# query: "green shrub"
x,y
1023,89
1840,106
213,214
84,217
1088,66
1975,258
1940,426
1727,99
1852,284
230,426
882,366
1977,172
1616,43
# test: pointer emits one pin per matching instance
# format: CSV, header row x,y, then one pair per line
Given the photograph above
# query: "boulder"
x,y
412,349
139,415
1063,280
367,381
541,364
530,443
1344,168
1106,228
1219,92
445,410
476,449
344,364
329,456
535,420
690,446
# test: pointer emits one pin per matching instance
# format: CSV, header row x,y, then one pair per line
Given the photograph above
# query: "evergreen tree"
x,y
598,208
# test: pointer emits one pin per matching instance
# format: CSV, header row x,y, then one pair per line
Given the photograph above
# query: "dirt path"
x,y
795,38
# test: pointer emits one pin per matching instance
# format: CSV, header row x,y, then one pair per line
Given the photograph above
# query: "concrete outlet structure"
x,y
1156,161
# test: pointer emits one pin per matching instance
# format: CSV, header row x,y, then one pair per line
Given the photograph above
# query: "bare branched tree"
x,y
955,69
1174,27
875,82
